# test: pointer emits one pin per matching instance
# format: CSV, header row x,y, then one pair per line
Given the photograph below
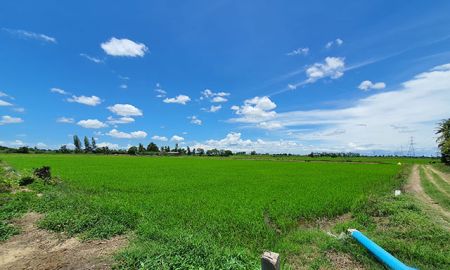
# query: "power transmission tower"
x,y
411,150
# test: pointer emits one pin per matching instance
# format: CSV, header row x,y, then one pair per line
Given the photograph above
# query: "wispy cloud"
x,y
30,35
6,119
59,91
65,120
299,51
92,58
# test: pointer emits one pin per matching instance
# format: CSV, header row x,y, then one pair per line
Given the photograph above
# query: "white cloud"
x,y
218,99
215,97
4,103
124,135
160,138
120,120
291,86
332,67
213,108
161,92
91,58
180,99
90,101
176,138
17,143
66,120
270,125
3,94
125,110
367,85
30,35
59,91
108,144
299,51
373,122
195,120
124,47
6,119
41,145
337,42
19,109
123,86
91,123
255,110
233,141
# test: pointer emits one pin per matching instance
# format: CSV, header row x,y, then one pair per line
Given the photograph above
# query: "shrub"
x,y
43,173
24,181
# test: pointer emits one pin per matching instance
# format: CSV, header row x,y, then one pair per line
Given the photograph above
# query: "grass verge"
x,y
432,191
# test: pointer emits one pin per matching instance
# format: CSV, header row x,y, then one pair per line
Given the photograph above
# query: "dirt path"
x,y
34,248
442,175
430,177
415,188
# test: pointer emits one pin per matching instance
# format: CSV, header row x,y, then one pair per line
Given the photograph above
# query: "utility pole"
x,y
411,150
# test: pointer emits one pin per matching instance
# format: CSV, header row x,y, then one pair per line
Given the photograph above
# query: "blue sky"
x,y
272,76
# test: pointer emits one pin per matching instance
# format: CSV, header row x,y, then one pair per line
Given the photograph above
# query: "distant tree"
x,y
77,144
133,150
23,150
152,147
200,151
227,153
444,140
188,151
93,144
63,149
253,153
87,145
176,147
193,152
141,148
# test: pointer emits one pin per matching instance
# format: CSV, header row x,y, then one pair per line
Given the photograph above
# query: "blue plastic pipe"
x,y
381,254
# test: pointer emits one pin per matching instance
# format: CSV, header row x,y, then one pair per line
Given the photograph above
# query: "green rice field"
x,y
198,212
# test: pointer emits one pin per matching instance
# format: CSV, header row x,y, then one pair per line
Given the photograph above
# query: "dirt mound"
x,y
34,248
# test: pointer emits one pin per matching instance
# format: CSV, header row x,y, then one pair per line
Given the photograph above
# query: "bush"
x,y
43,173
24,181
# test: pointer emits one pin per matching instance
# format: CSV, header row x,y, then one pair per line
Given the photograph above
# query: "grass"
x,y
440,182
439,197
200,213
385,160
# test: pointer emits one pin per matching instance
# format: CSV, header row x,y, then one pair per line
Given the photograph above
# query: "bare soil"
x,y
34,248
341,260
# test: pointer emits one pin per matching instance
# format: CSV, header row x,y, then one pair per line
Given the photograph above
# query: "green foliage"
x,y
13,206
443,140
77,143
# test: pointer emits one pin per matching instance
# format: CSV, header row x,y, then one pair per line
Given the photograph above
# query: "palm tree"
x,y
444,140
